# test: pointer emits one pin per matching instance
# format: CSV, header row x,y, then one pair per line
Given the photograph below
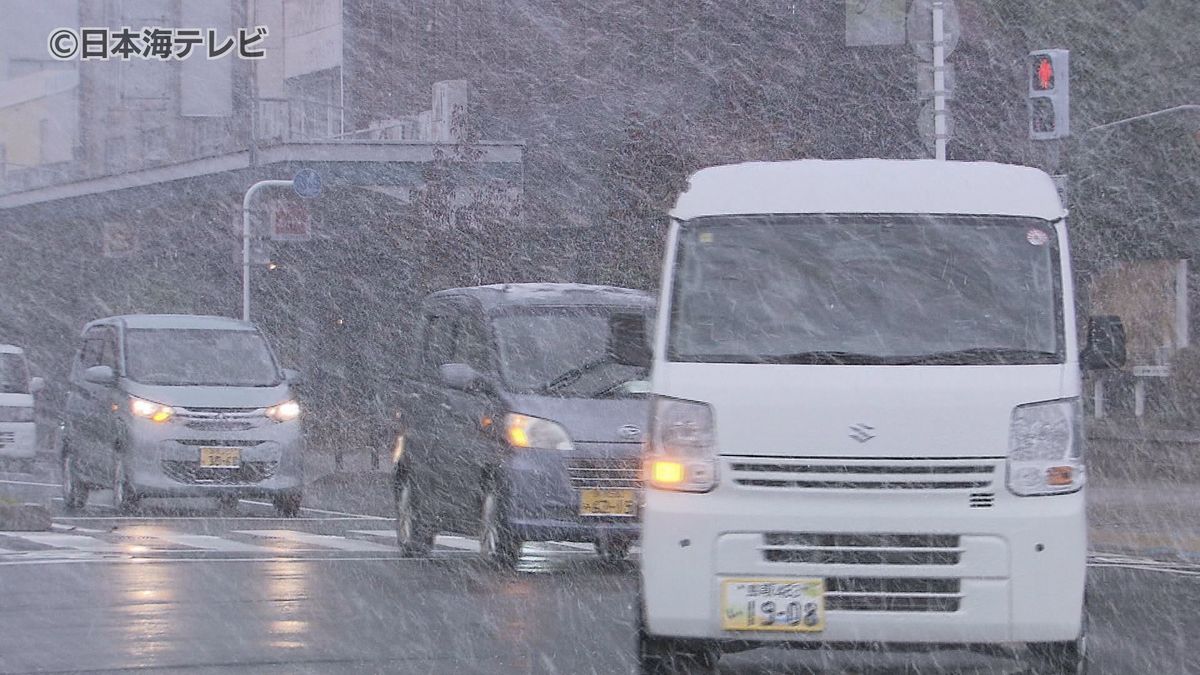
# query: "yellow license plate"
x,y
220,458
608,502
774,604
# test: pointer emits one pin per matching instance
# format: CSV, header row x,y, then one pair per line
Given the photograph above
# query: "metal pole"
x,y
246,239
939,80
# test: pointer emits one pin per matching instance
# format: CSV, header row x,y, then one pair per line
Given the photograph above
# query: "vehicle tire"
x,y
74,490
1061,658
124,497
660,656
498,543
287,504
414,536
613,550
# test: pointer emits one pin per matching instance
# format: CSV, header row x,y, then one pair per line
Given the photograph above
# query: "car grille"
x,y
867,474
221,419
861,549
594,473
192,472
7,438
871,594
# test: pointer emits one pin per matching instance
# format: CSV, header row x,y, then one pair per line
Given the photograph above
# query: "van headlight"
x,y
155,412
681,448
1045,449
525,431
283,412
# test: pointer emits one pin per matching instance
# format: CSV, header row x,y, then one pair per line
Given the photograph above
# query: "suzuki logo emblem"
x,y
629,431
862,432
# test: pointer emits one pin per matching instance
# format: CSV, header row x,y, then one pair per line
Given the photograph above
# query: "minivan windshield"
x,y
564,351
884,290
231,358
14,374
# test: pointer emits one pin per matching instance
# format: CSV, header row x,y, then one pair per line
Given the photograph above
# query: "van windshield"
x,y
199,357
14,375
563,351
881,290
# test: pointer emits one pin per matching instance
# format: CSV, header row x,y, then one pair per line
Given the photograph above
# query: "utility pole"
x,y
246,238
940,128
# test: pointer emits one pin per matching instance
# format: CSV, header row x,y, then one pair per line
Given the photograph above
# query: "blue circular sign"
x,y
307,183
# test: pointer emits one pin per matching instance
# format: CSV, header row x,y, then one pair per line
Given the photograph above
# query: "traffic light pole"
x,y
939,80
246,238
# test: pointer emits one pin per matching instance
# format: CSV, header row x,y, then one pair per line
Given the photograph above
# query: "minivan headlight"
x,y
284,412
525,431
681,448
1045,449
155,412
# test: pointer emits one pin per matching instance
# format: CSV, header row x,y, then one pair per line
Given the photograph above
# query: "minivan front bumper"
x,y
1018,574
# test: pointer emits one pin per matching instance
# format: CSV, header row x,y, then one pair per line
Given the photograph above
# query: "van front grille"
x,y
883,594
861,549
862,474
604,473
193,473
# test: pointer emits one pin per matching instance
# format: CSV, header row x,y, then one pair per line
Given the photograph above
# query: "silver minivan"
x,y
180,406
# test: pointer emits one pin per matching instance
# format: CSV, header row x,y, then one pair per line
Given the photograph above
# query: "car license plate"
x,y
789,605
608,502
220,458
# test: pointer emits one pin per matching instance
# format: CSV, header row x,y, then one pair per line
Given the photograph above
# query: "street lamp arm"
x,y
1191,107
246,239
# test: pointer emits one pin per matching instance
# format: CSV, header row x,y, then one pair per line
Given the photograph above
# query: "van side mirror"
x,y
293,377
36,384
462,377
102,375
628,343
1105,347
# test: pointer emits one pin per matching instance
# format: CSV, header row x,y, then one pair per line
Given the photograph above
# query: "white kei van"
x,y
866,423
18,432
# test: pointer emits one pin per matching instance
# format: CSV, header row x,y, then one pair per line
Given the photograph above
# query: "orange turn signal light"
x,y
1060,475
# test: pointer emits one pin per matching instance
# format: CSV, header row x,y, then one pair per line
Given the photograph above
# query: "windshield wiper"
x,y
826,357
981,355
572,375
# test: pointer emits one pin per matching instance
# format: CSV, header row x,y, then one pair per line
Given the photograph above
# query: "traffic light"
x,y
1049,94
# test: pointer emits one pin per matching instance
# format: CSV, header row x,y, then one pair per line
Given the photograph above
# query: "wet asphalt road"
x,y
194,590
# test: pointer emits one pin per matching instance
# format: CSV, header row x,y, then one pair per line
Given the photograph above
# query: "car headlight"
x,y
284,412
681,450
1045,449
524,431
16,414
155,412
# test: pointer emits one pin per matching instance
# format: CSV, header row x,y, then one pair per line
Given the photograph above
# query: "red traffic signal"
x,y
1043,72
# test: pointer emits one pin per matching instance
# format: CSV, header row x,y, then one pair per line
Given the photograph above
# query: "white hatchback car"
x,y
18,433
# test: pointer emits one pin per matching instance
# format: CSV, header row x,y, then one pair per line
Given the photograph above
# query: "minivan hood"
x,y
16,400
599,420
863,411
209,397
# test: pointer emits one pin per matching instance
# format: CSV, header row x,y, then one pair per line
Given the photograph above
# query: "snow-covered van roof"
x,y
870,186
11,349
173,322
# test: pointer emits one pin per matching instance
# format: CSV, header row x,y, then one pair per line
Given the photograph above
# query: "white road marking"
x,y
457,542
386,534
76,541
325,540
59,527
362,516
25,482
210,543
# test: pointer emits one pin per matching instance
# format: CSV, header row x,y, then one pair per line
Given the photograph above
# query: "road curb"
x,y
24,517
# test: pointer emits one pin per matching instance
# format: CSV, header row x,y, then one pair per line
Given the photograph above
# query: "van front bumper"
x,y
1018,577
18,440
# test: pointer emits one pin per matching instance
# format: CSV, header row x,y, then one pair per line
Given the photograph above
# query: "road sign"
x,y
920,28
118,240
925,125
874,23
925,80
290,221
307,183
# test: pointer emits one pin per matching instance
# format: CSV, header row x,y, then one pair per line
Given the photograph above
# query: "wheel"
x,y
74,490
287,504
498,544
414,537
124,497
1061,658
613,550
660,656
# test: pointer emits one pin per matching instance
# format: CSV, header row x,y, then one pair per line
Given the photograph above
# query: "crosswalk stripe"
x,y
76,541
460,543
386,534
326,540
210,543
